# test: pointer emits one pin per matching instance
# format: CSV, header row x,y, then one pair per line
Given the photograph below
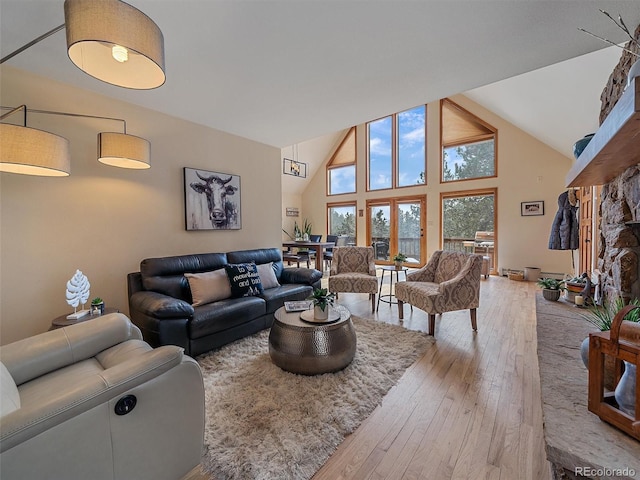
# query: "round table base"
x,y
312,349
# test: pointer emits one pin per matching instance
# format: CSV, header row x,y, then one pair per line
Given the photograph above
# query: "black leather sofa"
x,y
160,301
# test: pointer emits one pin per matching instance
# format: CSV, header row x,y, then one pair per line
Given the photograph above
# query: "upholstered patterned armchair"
x,y
449,281
353,269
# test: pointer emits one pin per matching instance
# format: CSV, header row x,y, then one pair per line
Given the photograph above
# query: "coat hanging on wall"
x,y
565,228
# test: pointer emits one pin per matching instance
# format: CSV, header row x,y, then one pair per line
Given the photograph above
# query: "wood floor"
x,y
468,409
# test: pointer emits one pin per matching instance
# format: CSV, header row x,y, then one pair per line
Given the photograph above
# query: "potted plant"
x,y
306,230
97,306
551,288
601,317
399,259
321,298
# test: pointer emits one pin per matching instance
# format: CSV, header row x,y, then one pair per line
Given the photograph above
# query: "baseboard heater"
x,y
504,272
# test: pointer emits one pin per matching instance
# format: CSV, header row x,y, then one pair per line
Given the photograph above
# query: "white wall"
x,y
105,220
528,170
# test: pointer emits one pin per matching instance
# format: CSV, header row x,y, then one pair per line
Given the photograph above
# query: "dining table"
x,y
319,248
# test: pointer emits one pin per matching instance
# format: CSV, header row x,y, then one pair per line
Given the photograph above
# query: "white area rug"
x,y
264,423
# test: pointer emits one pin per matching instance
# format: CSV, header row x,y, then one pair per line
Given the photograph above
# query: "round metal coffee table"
x,y
311,348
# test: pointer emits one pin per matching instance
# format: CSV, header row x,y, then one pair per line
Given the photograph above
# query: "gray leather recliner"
x,y
95,401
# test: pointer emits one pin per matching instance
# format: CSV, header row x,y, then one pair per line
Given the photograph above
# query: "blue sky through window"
x,y
411,142
410,153
342,180
380,154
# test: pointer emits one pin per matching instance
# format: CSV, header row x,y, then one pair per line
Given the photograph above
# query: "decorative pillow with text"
x,y
244,279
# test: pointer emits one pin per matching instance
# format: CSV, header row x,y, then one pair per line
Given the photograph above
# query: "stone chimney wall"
x,y
619,254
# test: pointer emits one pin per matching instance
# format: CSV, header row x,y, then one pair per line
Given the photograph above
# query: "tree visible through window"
x,y
462,217
469,222
473,160
342,220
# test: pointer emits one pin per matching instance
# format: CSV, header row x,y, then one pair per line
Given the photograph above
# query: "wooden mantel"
x,y
615,146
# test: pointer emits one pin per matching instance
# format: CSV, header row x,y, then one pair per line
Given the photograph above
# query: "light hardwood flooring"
x,y
468,409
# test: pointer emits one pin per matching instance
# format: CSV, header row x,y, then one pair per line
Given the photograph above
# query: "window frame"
x,y
331,205
393,224
395,152
338,166
474,193
466,141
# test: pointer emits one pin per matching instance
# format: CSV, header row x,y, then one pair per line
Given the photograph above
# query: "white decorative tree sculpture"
x,y
78,293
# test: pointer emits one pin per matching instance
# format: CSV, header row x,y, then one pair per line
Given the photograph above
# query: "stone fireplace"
x,y
619,252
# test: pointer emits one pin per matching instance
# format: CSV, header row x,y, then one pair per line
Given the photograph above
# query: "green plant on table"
x,y
400,257
306,228
551,283
321,297
97,301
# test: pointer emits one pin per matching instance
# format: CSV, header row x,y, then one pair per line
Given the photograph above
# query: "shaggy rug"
x,y
265,423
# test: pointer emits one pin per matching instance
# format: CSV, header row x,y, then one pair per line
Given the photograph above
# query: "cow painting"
x,y
212,200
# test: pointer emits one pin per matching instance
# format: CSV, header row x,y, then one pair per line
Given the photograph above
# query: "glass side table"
x,y
389,298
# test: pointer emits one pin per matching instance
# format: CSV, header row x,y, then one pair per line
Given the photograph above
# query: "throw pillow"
x,y
208,287
9,396
244,279
267,276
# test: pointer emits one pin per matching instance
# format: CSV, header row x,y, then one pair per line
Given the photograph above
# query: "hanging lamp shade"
x,y
29,151
115,42
124,151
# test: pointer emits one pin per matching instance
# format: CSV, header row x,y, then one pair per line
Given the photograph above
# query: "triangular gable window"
x,y
345,154
468,144
460,126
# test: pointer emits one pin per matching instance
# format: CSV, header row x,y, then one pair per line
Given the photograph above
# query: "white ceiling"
x,y
282,72
557,104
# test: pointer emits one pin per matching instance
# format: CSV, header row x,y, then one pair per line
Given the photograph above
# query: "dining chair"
x,y
328,253
306,254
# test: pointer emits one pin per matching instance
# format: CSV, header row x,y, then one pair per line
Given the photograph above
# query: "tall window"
x,y
469,222
468,144
341,168
396,150
342,220
411,146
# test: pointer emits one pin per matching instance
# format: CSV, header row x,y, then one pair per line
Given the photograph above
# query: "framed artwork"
x,y
211,200
529,209
292,212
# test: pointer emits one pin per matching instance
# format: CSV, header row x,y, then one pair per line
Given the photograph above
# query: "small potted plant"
x,y
97,306
322,299
551,288
399,259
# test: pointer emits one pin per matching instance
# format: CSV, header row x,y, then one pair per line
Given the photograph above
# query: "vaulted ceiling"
x,y
283,72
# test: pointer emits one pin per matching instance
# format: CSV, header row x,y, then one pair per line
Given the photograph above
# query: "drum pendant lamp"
x,y
115,42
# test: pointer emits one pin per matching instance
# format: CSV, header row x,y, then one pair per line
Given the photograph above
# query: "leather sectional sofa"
x,y
163,303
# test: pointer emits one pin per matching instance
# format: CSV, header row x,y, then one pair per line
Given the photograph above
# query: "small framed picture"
x,y
529,209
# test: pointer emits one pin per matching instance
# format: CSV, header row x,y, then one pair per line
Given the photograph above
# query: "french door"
x,y
397,225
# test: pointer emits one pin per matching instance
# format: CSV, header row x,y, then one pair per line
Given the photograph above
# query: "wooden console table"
x,y
578,443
